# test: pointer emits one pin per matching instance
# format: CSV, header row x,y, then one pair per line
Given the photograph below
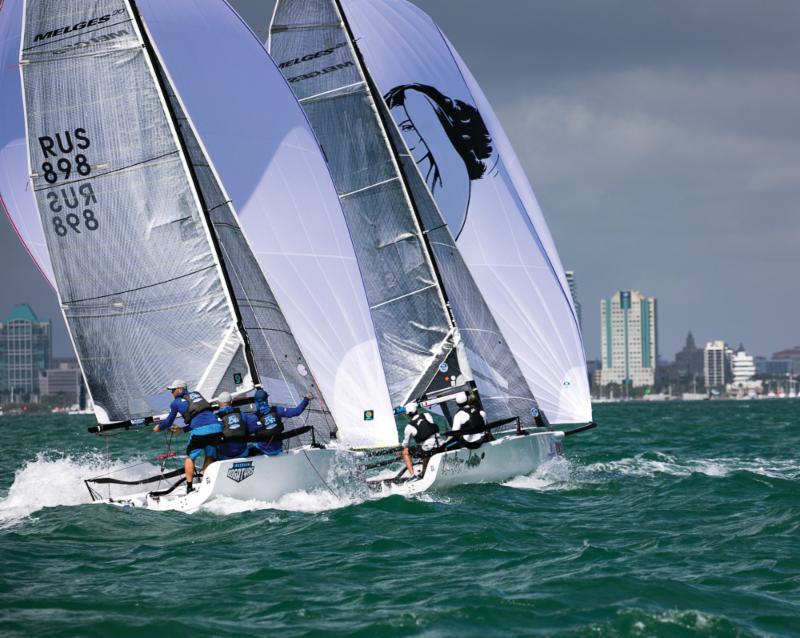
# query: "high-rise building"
x,y
25,352
573,291
629,338
716,366
790,354
62,382
689,361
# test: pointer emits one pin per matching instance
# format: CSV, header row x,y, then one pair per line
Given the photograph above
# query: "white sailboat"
x,y
464,282
154,273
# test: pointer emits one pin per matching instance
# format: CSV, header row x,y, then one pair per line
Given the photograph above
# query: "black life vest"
x,y
425,429
197,404
475,422
271,420
233,426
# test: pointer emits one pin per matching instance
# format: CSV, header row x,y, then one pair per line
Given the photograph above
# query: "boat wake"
x,y
51,480
556,474
652,464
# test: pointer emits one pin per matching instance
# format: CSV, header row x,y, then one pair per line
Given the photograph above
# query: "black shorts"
x,y
202,442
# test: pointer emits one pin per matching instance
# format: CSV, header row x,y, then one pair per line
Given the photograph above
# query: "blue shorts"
x,y
202,444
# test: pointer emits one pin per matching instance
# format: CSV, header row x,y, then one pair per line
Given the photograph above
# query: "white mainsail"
x,y
367,154
470,168
117,203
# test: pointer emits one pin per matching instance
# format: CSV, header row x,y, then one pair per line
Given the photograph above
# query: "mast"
x,y
160,79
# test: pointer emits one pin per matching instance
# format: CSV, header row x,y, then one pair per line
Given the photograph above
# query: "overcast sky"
x,y
661,138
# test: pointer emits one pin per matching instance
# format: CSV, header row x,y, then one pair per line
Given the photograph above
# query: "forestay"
x,y
140,286
313,48
272,167
470,168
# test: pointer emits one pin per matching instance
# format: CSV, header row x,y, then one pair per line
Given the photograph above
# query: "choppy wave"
x,y
51,480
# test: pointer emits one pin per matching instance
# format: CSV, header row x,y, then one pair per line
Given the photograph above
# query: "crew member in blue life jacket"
x,y
272,418
235,425
424,431
199,419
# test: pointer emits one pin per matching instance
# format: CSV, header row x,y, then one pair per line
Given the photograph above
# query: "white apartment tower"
x,y
628,335
715,361
573,291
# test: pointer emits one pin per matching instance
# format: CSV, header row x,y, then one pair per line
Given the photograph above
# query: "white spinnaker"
x,y
272,167
15,191
486,198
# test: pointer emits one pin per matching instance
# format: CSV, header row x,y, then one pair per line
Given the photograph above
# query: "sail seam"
x,y
116,170
280,28
408,294
366,188
125,292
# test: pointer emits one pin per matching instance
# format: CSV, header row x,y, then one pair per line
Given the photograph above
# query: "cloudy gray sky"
x,y
662,141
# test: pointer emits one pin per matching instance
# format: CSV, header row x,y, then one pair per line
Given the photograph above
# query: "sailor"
x,y
199,419
424,431
468,417
272,419
235,425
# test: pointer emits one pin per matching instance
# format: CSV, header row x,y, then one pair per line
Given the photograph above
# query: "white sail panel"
x,y
274,172
138,280
469,166
16,195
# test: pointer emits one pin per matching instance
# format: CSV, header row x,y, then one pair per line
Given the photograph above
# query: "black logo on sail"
x,y
240,471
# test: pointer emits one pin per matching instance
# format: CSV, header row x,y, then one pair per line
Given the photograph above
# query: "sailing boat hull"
x,y
261,478
493,462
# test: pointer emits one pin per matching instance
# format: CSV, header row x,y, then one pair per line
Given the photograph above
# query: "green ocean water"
x,y
668,520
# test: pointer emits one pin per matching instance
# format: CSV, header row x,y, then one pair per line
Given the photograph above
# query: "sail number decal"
x,y
65,159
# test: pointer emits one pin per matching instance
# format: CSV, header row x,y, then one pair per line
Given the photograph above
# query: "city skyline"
x,y
643,149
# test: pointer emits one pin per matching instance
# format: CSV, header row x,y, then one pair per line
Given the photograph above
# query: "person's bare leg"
x,y
425,465
188,467
407,460
206,462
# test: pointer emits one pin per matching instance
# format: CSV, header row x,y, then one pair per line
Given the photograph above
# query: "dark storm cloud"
x,y
661,139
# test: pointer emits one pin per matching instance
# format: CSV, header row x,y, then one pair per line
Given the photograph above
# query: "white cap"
x,y
224,397
178,383
462,398
411,408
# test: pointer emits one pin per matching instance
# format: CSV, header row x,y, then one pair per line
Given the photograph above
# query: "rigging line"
x,y
316,471
98,175
125,292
